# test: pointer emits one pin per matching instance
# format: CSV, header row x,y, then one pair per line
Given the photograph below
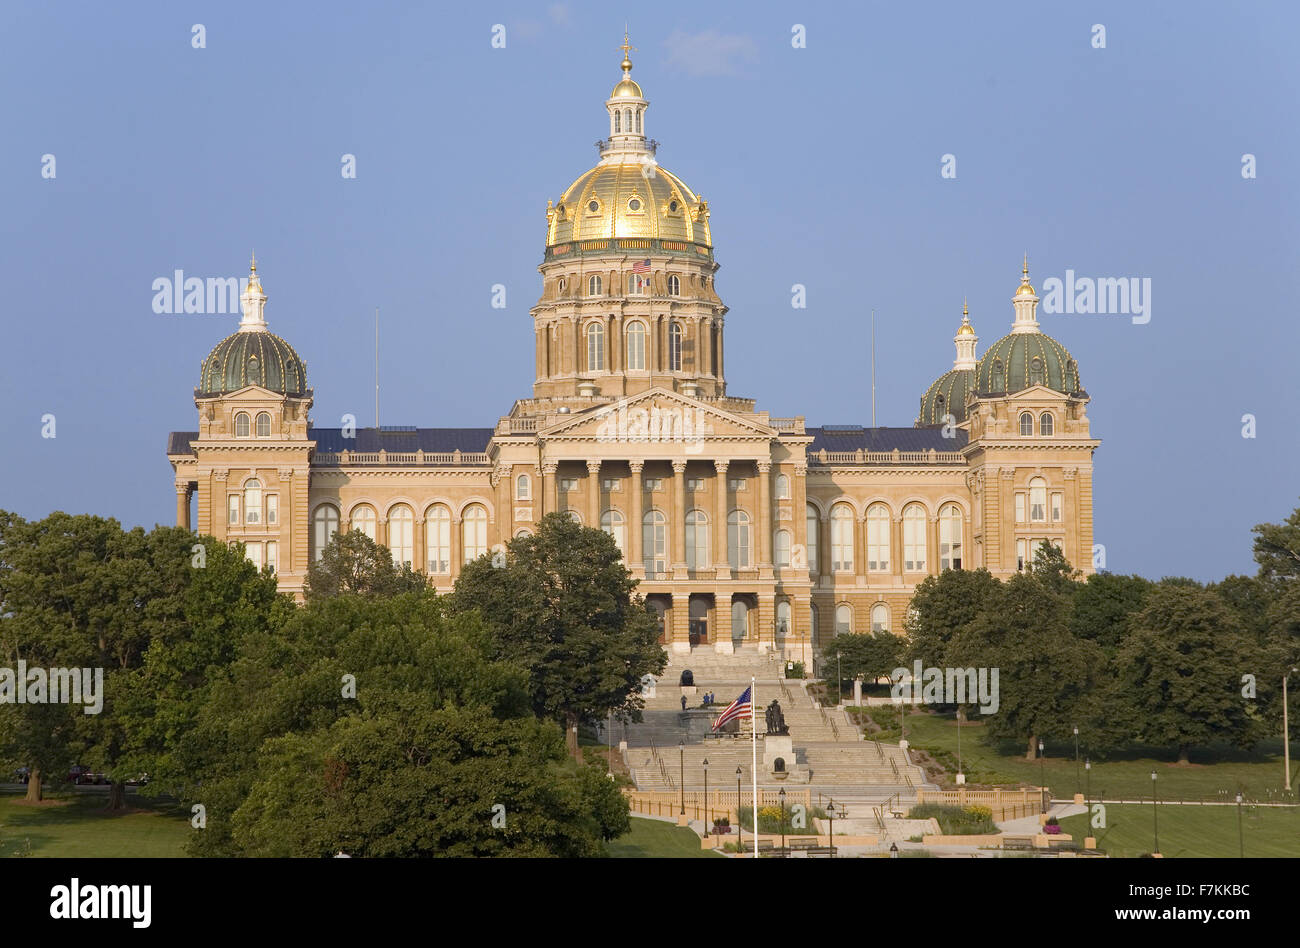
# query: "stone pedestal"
x,y
689,690
775,746
857,692
961,780
1090,842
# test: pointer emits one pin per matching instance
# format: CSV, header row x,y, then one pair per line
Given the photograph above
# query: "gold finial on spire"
x,y
1025,288
964,311
1025,270
626,47
965,329
253,265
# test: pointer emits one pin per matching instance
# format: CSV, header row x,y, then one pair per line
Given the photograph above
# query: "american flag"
x,y
641,266
742,707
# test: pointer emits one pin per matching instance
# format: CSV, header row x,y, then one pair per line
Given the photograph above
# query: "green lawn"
x,y
656,839
1215,773
1187,831
78,825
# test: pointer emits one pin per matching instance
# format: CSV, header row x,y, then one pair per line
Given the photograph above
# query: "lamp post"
x,y
782,796
1241,838
1155,813
1076,758
609,744
681,757
830,812
706,798
961,777
740,829
1286,737
1042,778
839,682
1087,770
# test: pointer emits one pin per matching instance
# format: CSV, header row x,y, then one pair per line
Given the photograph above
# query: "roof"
x,y
853,438
401,439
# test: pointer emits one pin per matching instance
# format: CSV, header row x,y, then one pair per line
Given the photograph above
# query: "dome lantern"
x,y
253,300
965,341
627,107
1025,303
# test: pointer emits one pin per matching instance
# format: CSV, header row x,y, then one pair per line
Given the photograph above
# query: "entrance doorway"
x,y
699,620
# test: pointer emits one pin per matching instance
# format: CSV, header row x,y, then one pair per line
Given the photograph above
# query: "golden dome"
x,y
628,199
966,330
1024,289
627,89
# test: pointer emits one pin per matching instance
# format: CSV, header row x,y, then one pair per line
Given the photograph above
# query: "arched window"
x,y
738,539
611,521
782,548
241,425
880,617
574,516
1026,424
627,118
523,487
523,532
437,537
843,619
675,347
654,544
252,500
739,620
674,286
324,524
363,519
593,286
697,540
914,538
814,536
782,487
1035,371
595,347
878,538
636,346
842,538
638,284
263,425
998,381
1037,500
401,535
618,122
638,121
474,531
1045,423
783,618
950,537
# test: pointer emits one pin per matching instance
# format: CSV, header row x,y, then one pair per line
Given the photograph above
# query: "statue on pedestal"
x,y
775,719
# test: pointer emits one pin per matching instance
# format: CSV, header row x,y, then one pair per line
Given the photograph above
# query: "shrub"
x,y
956,820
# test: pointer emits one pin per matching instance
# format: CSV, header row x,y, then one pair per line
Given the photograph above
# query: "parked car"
x,y
81,775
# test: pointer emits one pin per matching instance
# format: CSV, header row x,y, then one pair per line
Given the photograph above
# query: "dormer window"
x,y
241,425
593,207
634,204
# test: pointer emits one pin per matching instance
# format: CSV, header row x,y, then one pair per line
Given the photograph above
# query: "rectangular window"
x,y
612,484
1020,508
1020,555
254,553
272,553
695,484
272,508
234,508
568,484
736,483
738,545
1058,508
654,483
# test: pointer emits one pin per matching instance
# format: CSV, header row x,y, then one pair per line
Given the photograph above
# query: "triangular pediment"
x,y
657,416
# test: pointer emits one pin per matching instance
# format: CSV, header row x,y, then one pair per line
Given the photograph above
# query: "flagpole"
x,y
753,742
873,368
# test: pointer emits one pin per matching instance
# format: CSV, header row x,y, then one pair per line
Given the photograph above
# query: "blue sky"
x,y
821,166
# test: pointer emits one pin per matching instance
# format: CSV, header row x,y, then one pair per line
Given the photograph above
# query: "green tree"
x,y
941,607
1102,607
563,606
354,563
1180,668
1277,548
865,655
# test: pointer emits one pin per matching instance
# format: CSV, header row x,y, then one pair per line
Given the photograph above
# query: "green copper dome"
x,y
253,358
1020,360
947,396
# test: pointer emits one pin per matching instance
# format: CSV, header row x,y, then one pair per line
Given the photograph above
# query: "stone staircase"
x,y
825,740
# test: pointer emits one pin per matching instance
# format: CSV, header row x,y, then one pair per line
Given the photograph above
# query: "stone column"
x,y
457,546
183,505
550,501
824,565
722,565
678,558
860,547
766,520
634,518
932,546
799,513
593,494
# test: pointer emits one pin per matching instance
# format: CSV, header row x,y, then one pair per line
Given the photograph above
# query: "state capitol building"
x,y
744,530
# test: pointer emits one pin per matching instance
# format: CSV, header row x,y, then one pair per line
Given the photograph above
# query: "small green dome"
x,y
947,396
253,358
1020,360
